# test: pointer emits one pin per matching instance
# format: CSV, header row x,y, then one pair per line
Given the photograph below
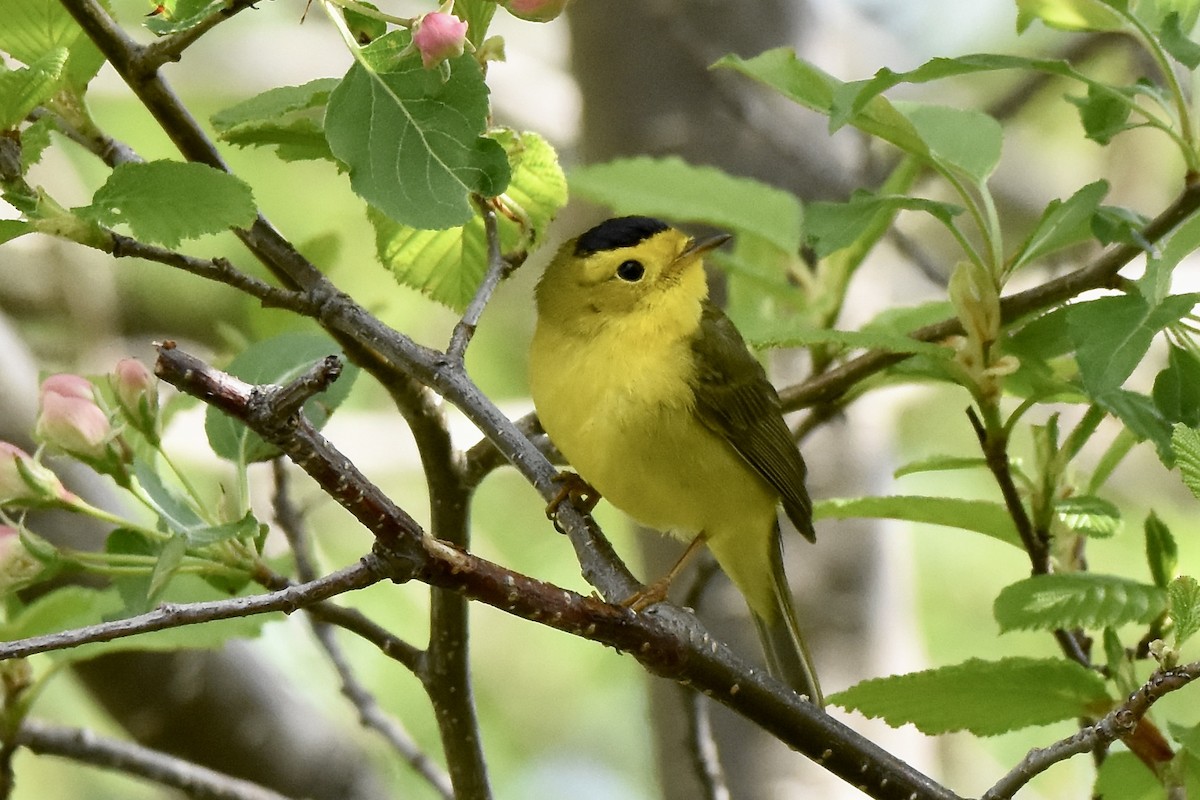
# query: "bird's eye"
x,y
631,271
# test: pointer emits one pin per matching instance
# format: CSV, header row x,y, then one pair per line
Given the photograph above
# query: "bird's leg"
x,y
574,488
657,591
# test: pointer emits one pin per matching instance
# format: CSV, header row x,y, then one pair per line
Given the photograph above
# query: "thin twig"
x,y
173,615
497,268
706,759
85,747
1117,724
370,714
171,47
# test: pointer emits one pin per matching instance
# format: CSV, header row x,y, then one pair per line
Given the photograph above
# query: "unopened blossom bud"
x,y
438,36
18,566
70,419
535,10
24,481
136,390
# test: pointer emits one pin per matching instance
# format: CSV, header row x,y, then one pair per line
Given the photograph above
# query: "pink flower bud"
x,y
439,36
70,419
535,10
18,567
23,480
137,392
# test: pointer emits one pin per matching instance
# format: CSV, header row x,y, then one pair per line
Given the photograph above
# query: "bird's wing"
x,y
735,400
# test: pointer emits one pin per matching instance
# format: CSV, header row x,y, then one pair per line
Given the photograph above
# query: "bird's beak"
x,y
699,247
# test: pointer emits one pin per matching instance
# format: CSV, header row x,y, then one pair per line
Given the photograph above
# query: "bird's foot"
x,y
574,488
648,595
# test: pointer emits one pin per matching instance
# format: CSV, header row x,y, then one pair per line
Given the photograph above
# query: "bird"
x,y
652,396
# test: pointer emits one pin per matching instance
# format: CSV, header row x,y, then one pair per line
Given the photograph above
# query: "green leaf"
x,y
1124,776
672,188
245,528
276,360
984,697
1185,444
1162,553
1076,600
1104,112
33,29
1118,224
63,608
173,510
939,463
1155,284
288,118
1177,388
169,559
816,89
180,15
1183,605
12,228
167,201
1176,42
831,226
22,90
1112,335
1089,516
786,334
968,140
1069,15
1064,223
413,142
448,265
981,516
1141,417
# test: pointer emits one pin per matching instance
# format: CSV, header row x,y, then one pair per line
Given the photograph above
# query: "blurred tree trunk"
x,y
642,69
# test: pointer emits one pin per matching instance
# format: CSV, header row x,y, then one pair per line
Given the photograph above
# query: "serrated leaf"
x,y
786,335
984,697
831,226
1088,515
276,360
1183,605
1176,390
1112,335
24,89
1069,15
965,139
34,28
939,463
288,118
448,264
180,15
981,516
413,142
167,201
172,509
1162,553
674,189
1076,600
63,608
1185,444
1063,223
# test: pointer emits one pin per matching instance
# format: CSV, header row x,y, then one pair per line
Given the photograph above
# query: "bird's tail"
x,y
788,658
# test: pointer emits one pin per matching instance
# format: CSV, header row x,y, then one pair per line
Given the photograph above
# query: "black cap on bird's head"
x,y
617,232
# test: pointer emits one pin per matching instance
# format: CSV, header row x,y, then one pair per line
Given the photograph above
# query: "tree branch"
x,y
665,640
1117,724
86,747
173,615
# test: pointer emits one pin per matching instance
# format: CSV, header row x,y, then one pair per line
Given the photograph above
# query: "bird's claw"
x,y
579,492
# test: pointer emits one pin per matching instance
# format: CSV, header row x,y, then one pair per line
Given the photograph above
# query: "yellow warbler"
x,y
653,397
